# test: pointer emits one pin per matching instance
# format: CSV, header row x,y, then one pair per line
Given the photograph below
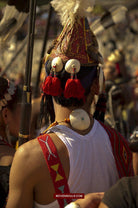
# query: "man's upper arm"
x,y
20,184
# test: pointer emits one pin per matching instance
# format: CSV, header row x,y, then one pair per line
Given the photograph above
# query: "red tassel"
x,y
52,86
73,88
69,90
47,84
56,87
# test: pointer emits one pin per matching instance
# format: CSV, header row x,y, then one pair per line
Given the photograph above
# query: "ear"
x,y
5,115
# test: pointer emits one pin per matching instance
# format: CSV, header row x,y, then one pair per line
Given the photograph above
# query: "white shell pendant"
x,y
71,65
79,119
57,64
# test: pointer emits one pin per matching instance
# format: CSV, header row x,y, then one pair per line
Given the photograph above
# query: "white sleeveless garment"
x,y
92,164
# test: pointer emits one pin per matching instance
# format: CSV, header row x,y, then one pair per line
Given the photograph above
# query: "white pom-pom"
x,y
57,64
73,65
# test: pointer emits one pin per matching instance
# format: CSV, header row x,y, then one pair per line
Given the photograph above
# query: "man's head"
x,y
110,71
114,66
72,62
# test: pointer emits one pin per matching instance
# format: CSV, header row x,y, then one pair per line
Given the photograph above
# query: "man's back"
x,y
31,180
90,157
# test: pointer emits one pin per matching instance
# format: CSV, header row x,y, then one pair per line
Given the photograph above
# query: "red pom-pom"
x,y
56,89
52,86
47,85
73,88
69,90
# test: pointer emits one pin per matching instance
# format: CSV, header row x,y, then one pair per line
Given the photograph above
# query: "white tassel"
x,y
101,80
69,9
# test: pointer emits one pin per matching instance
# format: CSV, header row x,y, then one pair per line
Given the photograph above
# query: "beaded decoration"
x,y
78,119
10,92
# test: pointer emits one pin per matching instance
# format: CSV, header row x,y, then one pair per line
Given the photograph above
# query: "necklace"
x,y
78,119
5,142
66,120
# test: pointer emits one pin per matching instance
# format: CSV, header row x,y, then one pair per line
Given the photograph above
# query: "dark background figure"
x,y
10,108
120,102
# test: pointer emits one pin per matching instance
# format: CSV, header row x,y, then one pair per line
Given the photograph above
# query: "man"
x,y
77,153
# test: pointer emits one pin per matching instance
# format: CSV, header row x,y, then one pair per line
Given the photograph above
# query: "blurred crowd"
x,y
120,68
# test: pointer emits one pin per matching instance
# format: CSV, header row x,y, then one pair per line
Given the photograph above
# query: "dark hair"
x,y
16,98
3,86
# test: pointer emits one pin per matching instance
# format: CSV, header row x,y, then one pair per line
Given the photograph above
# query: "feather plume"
x,y
69,9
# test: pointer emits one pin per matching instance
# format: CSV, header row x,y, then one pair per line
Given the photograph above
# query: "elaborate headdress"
x,y
74,48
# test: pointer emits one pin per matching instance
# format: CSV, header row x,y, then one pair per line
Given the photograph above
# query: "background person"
x,y
10,97
120,112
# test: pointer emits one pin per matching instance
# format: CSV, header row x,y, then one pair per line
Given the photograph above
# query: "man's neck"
x,y
61,112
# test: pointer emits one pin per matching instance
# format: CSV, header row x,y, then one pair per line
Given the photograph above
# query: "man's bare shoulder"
x,y
30,155
29,158
28,150
29,173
